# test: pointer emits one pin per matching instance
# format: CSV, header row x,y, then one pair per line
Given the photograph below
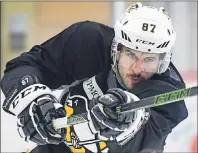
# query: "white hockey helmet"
x,y
146,29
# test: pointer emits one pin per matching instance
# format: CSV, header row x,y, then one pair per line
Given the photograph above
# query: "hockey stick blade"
x,y
153,101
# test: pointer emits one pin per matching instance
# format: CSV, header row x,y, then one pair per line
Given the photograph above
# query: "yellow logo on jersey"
x,y
73,142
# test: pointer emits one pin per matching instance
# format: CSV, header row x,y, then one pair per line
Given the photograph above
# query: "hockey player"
x,y
114,66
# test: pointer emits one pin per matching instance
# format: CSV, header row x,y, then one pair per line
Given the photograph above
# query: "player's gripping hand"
x,y
106,120
35,108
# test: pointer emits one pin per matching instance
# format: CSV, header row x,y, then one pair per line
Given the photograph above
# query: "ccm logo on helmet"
x,y
145,42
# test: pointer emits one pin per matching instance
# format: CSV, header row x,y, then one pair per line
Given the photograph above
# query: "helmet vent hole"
x,y
149,50
136,47
125,23
168,32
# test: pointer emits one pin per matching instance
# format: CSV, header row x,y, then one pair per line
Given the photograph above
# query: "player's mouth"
x,y
133,80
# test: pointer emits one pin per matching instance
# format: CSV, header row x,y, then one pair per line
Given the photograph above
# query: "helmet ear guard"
x,y
164,63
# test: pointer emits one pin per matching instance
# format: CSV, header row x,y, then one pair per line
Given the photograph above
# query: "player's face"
x,y
134,66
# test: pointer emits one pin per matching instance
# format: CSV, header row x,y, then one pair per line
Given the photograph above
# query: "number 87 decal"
x,y
146,25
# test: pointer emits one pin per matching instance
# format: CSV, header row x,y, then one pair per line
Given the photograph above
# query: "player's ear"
x,y
120,47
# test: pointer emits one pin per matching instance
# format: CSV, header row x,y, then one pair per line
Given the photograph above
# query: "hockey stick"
x,y
153,101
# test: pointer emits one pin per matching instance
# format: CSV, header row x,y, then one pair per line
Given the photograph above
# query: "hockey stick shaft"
x,y
153,101
161,99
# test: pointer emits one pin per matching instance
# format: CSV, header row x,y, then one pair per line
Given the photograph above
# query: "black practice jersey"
x,y
82,51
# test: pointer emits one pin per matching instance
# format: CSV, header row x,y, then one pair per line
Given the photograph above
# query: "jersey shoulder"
x,y
95,30
94,26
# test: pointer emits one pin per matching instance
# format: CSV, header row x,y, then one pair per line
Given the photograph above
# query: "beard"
x,y
129,80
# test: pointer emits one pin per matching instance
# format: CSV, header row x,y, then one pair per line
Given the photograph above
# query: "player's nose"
x,y
138,66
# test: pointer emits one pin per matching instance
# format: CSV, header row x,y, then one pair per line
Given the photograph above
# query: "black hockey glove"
x,y
107,121
35,108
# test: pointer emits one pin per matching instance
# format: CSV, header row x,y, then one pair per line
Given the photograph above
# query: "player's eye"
x,y
149,59
131,55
